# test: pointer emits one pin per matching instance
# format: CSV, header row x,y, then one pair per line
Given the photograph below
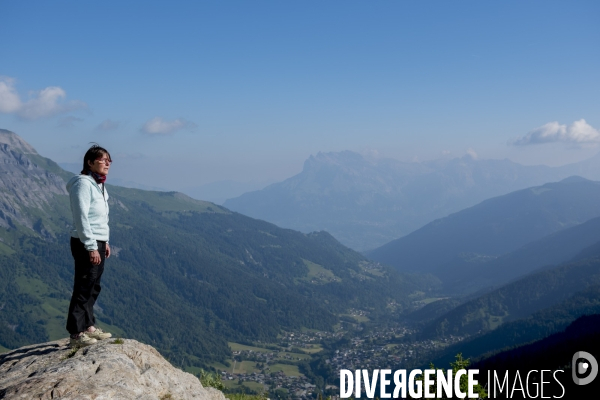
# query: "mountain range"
x,y
501,238
366,203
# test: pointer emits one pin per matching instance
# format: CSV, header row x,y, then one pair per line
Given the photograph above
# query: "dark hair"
x,y
94,153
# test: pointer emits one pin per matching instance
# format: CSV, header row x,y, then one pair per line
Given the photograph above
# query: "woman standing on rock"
x,y
89,244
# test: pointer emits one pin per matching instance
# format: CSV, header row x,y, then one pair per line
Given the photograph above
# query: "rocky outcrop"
x,y
106,370
14,141
25,185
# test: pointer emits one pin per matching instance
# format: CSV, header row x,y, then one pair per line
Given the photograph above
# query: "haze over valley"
x,y
366,203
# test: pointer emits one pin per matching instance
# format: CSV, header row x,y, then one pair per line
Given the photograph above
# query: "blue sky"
x,y
187,93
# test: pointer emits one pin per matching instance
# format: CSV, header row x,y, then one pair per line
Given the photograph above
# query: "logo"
x,y
584,364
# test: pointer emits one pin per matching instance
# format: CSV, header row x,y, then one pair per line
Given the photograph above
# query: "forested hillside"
x,y
534,327
516,300
186,275
554,352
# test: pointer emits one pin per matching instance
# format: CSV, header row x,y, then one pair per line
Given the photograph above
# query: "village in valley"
x,y
283,369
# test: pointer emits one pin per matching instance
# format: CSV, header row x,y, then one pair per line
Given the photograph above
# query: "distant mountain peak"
x,y
334,158
575,179
367,201
15,142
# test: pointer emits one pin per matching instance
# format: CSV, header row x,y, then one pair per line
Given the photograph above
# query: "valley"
x,y
291,366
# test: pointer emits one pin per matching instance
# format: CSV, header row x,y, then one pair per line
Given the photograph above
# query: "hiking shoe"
x,y
82,340
98,334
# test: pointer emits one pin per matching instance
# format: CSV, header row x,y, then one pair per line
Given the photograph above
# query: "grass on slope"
x,y
166,201
5,249
50,165
314,349
318,275
279,354
289,370
233,385
249,367
245,367
357,318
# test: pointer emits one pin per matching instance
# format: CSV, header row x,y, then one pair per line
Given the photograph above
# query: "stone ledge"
x,y
131,370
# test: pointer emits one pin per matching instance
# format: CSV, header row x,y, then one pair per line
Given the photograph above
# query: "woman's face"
x,y
100,166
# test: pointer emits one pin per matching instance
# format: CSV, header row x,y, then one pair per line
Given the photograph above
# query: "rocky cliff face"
x,y
13,140
106,370
24,184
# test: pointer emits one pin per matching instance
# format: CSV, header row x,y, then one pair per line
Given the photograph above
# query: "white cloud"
x,y
108,125
578,132
45,103
159,126
582,132
48,102
472,153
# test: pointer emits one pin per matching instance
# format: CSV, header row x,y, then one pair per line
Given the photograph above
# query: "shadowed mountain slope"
x,y
552,353
466,245
570,244
516,300
535,327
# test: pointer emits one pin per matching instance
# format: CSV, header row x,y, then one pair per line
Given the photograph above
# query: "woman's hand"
x,y
107,254
95,257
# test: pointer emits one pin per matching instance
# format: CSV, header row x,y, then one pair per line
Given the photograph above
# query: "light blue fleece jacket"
x,y
90,211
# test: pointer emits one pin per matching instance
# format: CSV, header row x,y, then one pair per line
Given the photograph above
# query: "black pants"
x,y
86,287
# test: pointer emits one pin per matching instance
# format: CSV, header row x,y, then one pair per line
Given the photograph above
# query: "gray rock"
x,y
14,141
25,185
105,370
